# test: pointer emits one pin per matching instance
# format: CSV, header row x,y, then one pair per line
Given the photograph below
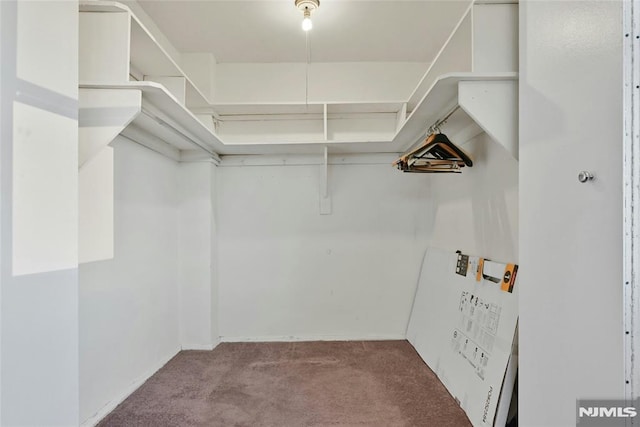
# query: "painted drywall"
x,y
201,69
326,82
257,83
95,207
364,81
197,257
45,142
287,272
492,51
40,349
39,312
571,329
146,20
476,212
129,304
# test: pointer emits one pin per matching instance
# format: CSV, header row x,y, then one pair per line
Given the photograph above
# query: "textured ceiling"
x,y
344,30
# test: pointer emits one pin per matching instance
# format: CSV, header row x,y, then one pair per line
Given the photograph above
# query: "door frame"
x,y
631,194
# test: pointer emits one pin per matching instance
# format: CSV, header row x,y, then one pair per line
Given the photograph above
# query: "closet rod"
x,y
177,131
436,126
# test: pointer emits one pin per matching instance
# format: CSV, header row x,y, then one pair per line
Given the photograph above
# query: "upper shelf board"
x,y
150,58
441,98
147,55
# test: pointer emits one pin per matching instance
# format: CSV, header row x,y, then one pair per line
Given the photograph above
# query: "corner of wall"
x,y
197,256
214,266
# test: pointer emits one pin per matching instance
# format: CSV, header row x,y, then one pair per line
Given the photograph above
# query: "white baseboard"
x,y
200,346
290,338
111,405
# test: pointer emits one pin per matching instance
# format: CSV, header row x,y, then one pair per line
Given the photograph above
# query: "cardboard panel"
x,y
463,325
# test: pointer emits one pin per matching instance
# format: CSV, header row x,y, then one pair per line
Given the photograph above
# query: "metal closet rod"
x,y
437,124
433,128
176,131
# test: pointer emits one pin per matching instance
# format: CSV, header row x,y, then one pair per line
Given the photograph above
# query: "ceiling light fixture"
x,y
307,6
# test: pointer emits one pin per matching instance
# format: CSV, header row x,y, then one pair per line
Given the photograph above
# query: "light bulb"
x,y
307,24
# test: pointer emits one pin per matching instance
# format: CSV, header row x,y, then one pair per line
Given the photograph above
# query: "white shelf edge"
x,y
102,6
311,142
240,104
401,137
185,118
189,122
406,137
396,140
113,6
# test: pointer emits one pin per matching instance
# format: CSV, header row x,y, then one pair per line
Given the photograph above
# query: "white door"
x,y
571,300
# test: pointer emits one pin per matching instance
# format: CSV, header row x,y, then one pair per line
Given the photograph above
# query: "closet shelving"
x,y
444,96
118,52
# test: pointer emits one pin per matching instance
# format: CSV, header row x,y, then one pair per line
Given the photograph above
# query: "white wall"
x,y
201,69
477,211
287,272
571,329
154,30
129,305
39,312
198,256
327,82
364,81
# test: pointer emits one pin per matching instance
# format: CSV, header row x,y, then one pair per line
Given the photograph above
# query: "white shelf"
x,y
372,108
163,117
228,110
242,109
441,97
147,55
265,128
102,6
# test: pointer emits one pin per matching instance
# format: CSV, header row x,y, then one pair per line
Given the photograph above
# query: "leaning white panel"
x,y
45,191
463,328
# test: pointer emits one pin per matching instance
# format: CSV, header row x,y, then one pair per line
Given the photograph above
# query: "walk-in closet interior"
x,y
313,212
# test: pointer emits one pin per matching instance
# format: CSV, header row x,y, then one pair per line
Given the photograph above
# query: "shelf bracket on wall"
x,y
102,116
493,105
325,199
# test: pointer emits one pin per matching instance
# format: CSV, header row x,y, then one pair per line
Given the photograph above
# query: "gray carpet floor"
x,y
358,383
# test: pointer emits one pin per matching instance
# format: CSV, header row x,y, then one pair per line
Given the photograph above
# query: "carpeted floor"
x,y
361,383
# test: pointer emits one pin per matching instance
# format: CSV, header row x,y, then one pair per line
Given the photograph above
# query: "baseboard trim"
x,y
289,338
200,346
111,405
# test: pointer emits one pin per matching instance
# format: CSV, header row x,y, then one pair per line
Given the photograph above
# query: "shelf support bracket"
x,y
103,115
493,105
325,199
